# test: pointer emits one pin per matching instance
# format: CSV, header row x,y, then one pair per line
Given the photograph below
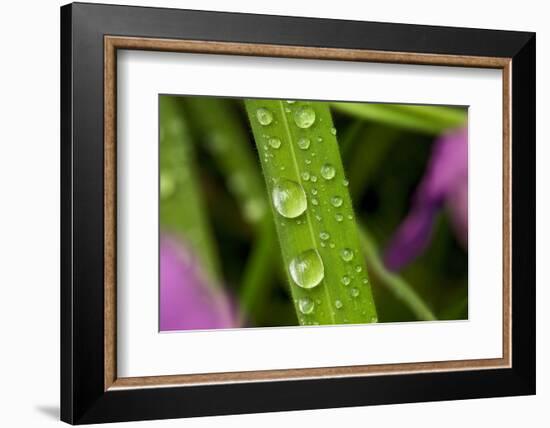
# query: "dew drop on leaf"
x,y
354,292
346,280
324,236
304,117
289,198
339,217
307,269
304,143
313,178
327,171
336,201
275,143
358,268
306,305
338,304
305,176
347,254
333,131
264,116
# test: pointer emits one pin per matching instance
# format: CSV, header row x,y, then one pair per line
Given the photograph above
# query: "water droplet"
x,y
358,269
347,254
306,305
305,176
314,191
323,244
275,143
167,185
350,217
346,280
264,116
313,178
307,269
338,304
289,198
345,182
314,201
318,217
333,131
304,143
304,117
374,319
308,161
365,281
332,245
339,217
324,236
327,171
290,101
282,168
336,201
354,292
320,139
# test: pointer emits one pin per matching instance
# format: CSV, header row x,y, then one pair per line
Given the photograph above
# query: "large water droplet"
x,y
304,117
275,143
306,305
264,116
336,201
289,198
307,269
327,171
347,254
167,185
304,143
345,182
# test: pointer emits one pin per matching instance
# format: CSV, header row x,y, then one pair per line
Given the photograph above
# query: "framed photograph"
x,y
266,213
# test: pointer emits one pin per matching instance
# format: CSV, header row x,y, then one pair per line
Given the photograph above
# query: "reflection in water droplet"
x,y
327,171
304,143
347,254
336,201
306,305
275,143
289,198
264,116
307,269
304,117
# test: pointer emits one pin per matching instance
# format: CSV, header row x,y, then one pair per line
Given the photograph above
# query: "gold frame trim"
x,y
113,43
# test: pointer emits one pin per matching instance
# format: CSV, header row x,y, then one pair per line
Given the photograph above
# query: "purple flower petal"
x,y
445,181
187,299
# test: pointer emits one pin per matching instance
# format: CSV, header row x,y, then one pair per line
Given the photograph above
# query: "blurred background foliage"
x,y
213,201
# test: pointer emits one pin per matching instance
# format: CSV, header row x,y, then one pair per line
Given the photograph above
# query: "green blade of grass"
x,y
397,285
182,209
229,144
432,120
312,211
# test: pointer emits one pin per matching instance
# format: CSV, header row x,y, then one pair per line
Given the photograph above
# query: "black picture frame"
x,y
83,396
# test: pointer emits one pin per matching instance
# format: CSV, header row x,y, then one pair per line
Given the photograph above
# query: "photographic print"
x,y
281,213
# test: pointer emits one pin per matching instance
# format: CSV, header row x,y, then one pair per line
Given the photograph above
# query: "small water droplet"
x,y
338,304
345,182
313,178
324,236
308,161
305,176
314,201
346,280
264,116
304,143
323,244
365,281
304,117
336,201
289,198
350,217
327,171
167,185
354,292
320,139
339,217
333,131
374,319
358,269
307,269
332,245
275,143
290,101
314,191
347,254
306,305
318,217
